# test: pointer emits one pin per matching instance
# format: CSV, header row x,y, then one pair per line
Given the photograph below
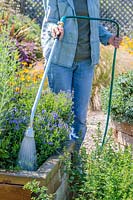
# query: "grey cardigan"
x,y
65,49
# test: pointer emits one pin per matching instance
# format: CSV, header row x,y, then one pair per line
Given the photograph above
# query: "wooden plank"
x,y
13,192
20,178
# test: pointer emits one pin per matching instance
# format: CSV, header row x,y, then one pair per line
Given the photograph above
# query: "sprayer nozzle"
x,y
61,24
29,132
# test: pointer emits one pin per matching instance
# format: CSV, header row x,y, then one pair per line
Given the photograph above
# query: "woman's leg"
x,y
79,79
82,84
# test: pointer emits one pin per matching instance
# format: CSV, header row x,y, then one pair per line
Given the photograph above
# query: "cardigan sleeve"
x,y
104,35
51,11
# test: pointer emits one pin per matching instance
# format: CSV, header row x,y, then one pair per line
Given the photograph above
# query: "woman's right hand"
x,y
57,31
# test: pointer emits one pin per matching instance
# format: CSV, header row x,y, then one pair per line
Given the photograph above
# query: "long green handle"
x,y
63,20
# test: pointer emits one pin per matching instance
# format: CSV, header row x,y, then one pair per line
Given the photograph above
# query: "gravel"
x,y
93,119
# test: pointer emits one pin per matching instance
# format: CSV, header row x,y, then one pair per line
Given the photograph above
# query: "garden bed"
x,y
50,174
123,133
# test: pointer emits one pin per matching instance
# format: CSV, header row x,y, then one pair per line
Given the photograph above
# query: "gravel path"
x,y
93,118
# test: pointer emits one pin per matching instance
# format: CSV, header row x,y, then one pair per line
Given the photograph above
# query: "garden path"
x,y
93,118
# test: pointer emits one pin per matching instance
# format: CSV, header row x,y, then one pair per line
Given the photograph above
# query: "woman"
x,y
76,54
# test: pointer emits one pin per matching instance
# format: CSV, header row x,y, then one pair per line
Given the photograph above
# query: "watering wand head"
x,y
29,132
27,153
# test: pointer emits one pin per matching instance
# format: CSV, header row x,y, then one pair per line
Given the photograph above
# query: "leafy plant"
x,y
52,125
25,33
122,100
103,174
39,192
8,66
18,90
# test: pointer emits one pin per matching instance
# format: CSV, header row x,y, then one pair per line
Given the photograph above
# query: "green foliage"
x,y
122,98
26,34
8,66
54,122
52,126
103,174
53,117
20,26
39,192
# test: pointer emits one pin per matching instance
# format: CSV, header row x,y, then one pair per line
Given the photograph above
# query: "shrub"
x,y
52,125
26,34
8,66
102,73
39,192
103,174
122,98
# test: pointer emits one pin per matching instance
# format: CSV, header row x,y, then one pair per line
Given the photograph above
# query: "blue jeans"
x,y
77,80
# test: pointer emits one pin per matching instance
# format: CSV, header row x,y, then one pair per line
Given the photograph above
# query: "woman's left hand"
x,y
115,41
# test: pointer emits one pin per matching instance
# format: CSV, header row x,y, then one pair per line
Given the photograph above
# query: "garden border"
x,y
50,174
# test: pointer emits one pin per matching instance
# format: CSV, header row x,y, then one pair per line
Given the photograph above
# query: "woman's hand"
x,y
115,41
58,31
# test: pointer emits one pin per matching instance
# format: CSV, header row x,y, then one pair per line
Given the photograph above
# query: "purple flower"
x,y
51,128
15,109
13,99
43,111
15,121
60,125
17,127
50,143
66,126
55,115
12,121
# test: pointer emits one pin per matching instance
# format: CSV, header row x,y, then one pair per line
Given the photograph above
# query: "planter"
x,y
123,133
50,174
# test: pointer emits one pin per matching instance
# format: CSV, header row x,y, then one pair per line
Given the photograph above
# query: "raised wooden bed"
x,y
123,133
50,174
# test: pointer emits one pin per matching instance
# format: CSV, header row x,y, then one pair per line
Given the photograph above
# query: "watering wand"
x,y
27,153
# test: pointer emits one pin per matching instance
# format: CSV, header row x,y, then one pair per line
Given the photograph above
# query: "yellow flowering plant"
x,y
127,44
